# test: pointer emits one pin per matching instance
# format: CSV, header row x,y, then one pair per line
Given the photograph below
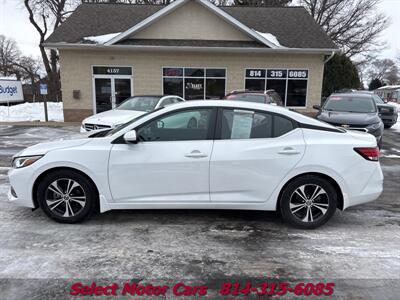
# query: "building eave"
x,y
101,47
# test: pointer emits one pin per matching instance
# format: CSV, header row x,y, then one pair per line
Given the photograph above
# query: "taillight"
x,y
368,153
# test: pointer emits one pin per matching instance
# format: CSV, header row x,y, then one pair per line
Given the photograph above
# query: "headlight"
x,y
24,161
374,126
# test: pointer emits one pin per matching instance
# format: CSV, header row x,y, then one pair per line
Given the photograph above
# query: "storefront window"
x,y
195,83
291,85
173,86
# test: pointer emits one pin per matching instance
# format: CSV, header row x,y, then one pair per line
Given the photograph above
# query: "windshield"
x,y
378,100
350,104
122,126
139,103
247,98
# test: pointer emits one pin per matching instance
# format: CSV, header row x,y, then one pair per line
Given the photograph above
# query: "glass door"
x,y
103,92
122,87
111,86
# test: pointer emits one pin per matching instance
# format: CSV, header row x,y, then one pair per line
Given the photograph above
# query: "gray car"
x,y
352,111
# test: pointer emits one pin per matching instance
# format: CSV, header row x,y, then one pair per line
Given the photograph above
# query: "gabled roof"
x,y
292,26
178,3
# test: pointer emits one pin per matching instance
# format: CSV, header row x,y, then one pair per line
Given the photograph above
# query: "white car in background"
x,y
238,155
127,110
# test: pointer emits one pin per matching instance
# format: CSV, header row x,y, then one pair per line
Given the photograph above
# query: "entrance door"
x,y
123,89
103,91
111,86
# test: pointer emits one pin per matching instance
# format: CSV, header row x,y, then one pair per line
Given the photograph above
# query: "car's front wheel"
x,y
308,202
67,196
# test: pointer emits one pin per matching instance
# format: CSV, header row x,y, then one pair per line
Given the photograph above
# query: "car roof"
x,y
362,95
244,93
155,96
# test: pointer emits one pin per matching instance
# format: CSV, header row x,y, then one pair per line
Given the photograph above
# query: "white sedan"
x,y
236,155
126,111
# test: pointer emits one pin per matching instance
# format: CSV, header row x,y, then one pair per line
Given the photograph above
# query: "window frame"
x,y
183,77
211,129
286,79
218,127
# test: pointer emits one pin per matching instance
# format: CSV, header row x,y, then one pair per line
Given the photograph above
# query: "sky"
x,y
14,23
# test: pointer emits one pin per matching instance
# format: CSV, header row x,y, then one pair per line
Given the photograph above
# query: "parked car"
x,y
130,108
353,111
240,156
387,112
268,96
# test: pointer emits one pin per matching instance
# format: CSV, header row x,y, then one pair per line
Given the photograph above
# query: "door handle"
x,y
196,154
289,151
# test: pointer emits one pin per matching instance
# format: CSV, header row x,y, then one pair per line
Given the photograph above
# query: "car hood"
x,y
348,118
43,148
113,117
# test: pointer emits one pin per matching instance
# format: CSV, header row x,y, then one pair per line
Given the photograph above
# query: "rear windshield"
x,y
350,104
247,98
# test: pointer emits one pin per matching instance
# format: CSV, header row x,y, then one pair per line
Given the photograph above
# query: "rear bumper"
x,y
371,191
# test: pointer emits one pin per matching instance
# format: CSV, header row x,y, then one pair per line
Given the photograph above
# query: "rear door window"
x,y
249,124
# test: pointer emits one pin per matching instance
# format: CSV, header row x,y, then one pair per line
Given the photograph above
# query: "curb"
x,y
40,124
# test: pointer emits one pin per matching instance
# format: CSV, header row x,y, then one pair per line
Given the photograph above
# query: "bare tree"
x,y
45,16
9,55
384,70
354,25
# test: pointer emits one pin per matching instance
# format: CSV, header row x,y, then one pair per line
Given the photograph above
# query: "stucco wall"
x,y
76,72
192,21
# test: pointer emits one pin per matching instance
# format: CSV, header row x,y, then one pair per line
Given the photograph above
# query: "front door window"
x,y
122,90
103,94
180,126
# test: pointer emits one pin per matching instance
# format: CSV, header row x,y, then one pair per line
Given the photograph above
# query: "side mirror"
x,y
130,137
317,107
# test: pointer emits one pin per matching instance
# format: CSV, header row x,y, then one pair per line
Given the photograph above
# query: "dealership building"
x,y
189,48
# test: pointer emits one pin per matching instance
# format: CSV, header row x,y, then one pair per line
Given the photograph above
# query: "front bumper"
x,y
389,120
20,181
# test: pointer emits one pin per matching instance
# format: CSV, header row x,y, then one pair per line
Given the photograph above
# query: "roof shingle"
x,y
293,26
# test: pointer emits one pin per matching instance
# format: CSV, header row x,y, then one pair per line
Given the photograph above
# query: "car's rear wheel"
x,y
308,202
67,196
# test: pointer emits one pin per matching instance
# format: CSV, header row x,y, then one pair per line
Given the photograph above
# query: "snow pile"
x,y
397,125
101,39
270,37
31,112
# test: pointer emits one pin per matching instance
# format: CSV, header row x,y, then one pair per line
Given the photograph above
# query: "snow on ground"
x,y
101,39
31,112
397,125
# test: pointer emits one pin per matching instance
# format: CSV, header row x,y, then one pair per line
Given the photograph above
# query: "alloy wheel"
x,y
309,202
65,197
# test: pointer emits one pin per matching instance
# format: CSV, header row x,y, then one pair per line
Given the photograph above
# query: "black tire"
x,y
387,126
78,205
326,200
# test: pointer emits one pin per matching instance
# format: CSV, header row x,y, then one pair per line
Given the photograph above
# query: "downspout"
x,y
330,57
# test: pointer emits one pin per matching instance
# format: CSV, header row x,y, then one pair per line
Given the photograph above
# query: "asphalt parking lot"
x,y
359,249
